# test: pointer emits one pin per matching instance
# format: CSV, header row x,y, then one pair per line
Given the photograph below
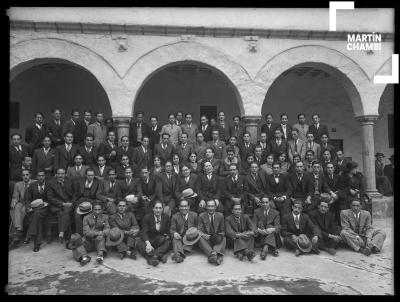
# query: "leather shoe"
x,y
99,259
219,260
365,251
122,255
298,252
61,240
250,255
316,251
131,254
212,258
85,260
375,249
275,253
240,256
330,251
36,248
263,256
153,261
164,258
27,240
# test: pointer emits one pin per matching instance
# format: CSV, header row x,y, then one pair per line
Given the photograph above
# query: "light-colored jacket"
x,y
99,132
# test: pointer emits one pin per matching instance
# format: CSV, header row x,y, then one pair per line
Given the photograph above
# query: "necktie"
x,y
171,126
168,176
187,179
204,128
185,225
212,230
296,221
19,149
209,177
295,145
111,186
68,147
357,229
331,176
25,185
41,189
254,177
316,185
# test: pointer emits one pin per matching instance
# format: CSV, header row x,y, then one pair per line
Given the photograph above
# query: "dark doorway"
x,y
209,111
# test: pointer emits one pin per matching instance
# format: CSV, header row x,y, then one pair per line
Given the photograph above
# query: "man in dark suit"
x,y
295,224
125,149
35,133
332,180
212,227
285,128
246,147
222,126
278,145
55,127
155,240
168,189
269,127
264,144
209,187
87,120
184,148
154,132
302,186
180,223
130,186
16,173
268,226
100,169
317,129
137,130
74,126
255,185
142,156
326,146
107,192
279,189
65,153
340,161
241,230
109,150
88,151
43,158
120,169
237,129
148,187
17,152
188,181
205,129
165,149
329,230
233,191
60,197
259,156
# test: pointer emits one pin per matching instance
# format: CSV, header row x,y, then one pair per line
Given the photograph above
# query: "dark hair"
x,y
236,116
15,133
89,135
40,171
283,114
165,133
153,116
300,114
89,170
310,151
188,113
54,110
139,112
269,114
37,113
276,163
73,111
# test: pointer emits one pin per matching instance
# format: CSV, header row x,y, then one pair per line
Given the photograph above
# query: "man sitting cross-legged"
x,y
241,230
268,226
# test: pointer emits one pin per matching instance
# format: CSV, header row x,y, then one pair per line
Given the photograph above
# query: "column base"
x,y
374,194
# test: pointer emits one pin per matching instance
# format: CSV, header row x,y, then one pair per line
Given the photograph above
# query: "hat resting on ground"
x,y
304,243
84,208
38,204
191,237
115,236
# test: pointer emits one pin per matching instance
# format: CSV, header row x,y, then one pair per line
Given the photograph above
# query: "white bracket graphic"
x,y
390,79
335,5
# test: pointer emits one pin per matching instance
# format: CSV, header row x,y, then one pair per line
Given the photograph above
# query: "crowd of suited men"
x,y
182,185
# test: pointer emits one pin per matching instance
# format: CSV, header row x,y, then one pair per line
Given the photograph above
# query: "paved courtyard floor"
x,y
53,271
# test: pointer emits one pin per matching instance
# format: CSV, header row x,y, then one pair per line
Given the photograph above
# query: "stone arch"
x,y
28,53
355,81
186,52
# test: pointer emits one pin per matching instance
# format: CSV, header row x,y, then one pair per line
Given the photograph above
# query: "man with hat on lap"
x,y
181,222
297,229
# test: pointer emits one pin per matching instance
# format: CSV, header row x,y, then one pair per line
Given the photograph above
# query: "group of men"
x,y
105,195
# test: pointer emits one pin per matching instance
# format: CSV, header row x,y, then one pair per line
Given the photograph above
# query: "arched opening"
x,y
44,84
384,125
318,88
187,86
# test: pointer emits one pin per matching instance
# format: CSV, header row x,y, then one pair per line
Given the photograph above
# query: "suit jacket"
x,y
133,133
301,149
192,183
99,132
183,152
332,183
306,226
209,189
255,188
316,148
275,149
149,230
19,191
63,158
234,189
105,149
272,220
270,130
124,189
238,132
105,191
219,148
56,195
244,151
92,226
223,131
34,136
15,157
178,223
348,222
75,175
77,130
120,171
191,132
303,188
326,224
32,192
98,174
302,131
341,165
130,152
42,161
283,187
206,133
126,223
288,133
204,223
318,132
55,132
265,148
330,148
149,189
164,154
79,191
232,227
89,158
322,184
15,174
174,133
154,136
167,189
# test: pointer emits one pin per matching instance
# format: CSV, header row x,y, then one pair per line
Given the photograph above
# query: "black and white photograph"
x,y
201,150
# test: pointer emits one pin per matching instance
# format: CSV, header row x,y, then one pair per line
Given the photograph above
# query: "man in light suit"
x,y
268,226
172,129
212,227
98,130
43,158
77,172
312,145
301,126
296,146
190,129
357,231
317,129
180,223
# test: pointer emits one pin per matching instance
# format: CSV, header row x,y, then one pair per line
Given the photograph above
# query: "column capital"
x,y
122,121
367,119
252,119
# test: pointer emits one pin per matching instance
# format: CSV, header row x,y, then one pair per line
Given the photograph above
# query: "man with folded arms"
x,y
296,224
155,241
241,230
357,231
268,226
180,223
124,238
212,227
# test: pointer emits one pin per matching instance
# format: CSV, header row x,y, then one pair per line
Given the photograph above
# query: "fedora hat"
x,y
191,237
379,154
131,198
188,193
84,208
75,241
304,243
115,236
325,197
38,204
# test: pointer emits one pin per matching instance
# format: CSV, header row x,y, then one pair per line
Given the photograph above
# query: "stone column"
x,y
122,125
367,129
252,126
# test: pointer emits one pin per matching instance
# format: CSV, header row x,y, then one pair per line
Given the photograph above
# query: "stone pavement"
x,y
53,271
